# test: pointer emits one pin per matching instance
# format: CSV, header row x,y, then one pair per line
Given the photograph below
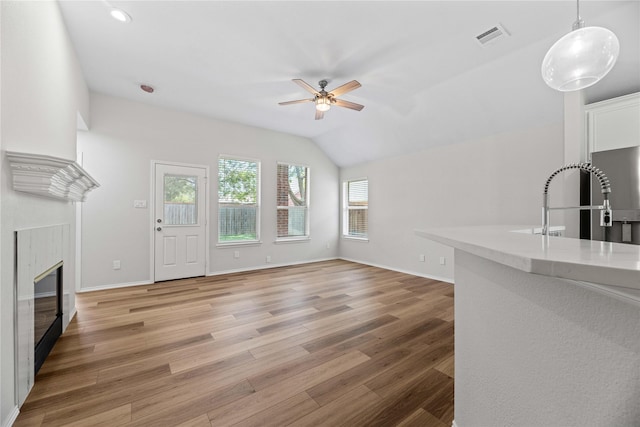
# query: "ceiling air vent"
x,y
492,35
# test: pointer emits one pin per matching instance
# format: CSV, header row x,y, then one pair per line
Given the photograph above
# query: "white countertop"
x,y
596,262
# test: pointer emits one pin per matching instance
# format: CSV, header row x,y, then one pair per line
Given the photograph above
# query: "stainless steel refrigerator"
x,y
622,167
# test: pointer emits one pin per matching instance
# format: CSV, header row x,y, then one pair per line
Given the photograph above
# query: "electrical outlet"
x,y
141,204
236,254
328,245
443,260
421,258
116,264
268,259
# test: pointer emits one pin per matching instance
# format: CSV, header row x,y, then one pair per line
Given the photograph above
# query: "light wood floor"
x,y
323,344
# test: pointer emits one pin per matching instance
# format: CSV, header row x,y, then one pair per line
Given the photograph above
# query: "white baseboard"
x,y
211,273
8,422
266,266
112,286
453,424
399,270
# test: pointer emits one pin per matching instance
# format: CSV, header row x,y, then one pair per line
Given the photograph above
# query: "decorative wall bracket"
x,y
50,176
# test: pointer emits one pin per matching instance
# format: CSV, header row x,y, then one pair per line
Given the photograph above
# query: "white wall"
x,y
42,92
125,136
494,180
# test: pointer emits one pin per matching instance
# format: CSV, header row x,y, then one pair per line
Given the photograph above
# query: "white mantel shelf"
x,y
613,264
50,176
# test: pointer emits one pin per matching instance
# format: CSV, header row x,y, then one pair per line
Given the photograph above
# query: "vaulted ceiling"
x,y
425,79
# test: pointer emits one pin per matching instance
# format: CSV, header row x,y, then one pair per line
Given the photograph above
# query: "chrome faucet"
x,y
606,215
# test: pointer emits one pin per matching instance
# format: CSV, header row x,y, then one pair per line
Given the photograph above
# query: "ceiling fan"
x,y
324,100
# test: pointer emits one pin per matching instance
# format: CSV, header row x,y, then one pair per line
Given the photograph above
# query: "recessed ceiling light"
x,y
147,88
120,15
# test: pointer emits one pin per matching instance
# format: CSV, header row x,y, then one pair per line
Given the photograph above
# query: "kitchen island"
x,y
547,328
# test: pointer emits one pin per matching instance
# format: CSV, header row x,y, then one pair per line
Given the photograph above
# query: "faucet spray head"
x,y
606,215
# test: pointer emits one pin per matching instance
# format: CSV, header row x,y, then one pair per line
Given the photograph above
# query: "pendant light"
x,y
581,58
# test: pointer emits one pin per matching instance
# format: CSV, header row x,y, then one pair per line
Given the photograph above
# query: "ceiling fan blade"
x,y
299,101
347,104
306,86
319,115
347,87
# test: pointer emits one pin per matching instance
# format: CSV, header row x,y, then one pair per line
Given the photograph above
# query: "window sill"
x,y
356,239
292,240
239,243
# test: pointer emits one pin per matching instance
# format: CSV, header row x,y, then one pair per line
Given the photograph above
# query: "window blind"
x,y
356,218
238,200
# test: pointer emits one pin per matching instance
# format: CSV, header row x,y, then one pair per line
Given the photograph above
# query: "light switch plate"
x,y
140,204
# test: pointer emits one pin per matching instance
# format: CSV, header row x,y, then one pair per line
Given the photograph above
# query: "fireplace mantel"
x,y
50,176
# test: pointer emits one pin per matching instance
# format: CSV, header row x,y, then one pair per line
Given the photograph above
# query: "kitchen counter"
x,y
615,265
546,328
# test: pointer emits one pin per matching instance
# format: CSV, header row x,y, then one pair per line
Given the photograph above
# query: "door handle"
x,y
159,228
159,220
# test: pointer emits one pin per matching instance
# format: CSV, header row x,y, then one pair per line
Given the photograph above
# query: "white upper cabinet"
x,y
613,123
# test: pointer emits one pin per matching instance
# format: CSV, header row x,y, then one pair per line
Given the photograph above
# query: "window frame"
x,y
258,204
307,222
346,208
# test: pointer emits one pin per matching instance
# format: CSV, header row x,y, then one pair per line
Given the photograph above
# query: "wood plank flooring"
x,y
323,344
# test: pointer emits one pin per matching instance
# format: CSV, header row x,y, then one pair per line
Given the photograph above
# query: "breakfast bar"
x,y
547,328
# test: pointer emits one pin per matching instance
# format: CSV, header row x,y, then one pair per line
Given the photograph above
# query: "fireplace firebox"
x,y
47,312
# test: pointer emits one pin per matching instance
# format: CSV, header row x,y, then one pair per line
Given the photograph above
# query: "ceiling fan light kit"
x,y
323,103
581,58
323,99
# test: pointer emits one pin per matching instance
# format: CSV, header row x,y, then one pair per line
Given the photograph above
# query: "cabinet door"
x,y
614,123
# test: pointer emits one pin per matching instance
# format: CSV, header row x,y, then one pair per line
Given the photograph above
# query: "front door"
x,y
180,221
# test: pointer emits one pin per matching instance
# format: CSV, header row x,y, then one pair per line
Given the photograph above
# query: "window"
x,y
238,200
356,209
292,201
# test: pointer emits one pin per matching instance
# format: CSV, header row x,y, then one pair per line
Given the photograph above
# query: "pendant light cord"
x,y
579,22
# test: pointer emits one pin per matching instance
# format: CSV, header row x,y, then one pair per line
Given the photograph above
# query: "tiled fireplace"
x,y
42,256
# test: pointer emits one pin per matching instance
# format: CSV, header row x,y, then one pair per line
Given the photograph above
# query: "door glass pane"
x,y
180,200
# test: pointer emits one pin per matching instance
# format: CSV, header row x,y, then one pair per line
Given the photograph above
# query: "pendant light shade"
x,y
581,58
